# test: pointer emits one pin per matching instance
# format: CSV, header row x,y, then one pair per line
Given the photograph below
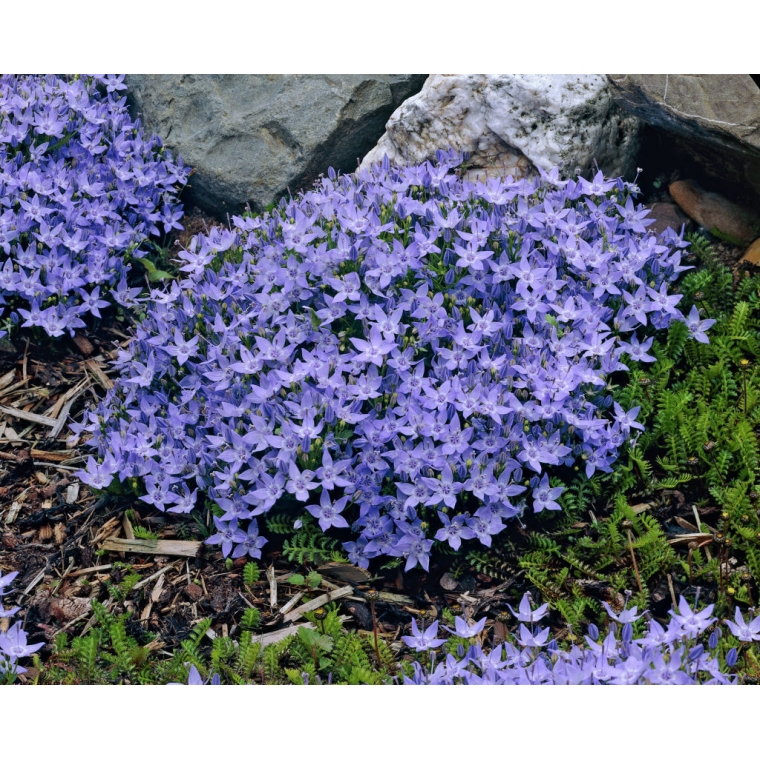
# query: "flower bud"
x,y
696,652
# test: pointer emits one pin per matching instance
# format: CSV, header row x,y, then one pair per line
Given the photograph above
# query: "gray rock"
x,y
714,118
513,124
250,138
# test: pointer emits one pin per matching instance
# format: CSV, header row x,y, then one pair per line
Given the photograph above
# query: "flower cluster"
x,y
393,350
671,655
13,644
80,189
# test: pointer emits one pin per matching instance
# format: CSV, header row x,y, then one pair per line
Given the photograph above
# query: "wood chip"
x,y
292,603
386,596
100,377
37,419
62,420
51,456
13,512
72,493
686,525
157,589
69,607
145,614
272,587
194,592
687,537
128,530
154,646
272,638
108,527
90,570
10,434
152,546
37,579
318,602
70,395
59,531
7,379
83,345
146,581
345,572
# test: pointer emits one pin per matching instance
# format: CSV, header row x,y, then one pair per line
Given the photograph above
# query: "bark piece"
x,y
318,602
152,546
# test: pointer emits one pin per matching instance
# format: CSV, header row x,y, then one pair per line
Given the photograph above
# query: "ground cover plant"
x,y
81,189
615,530
394,351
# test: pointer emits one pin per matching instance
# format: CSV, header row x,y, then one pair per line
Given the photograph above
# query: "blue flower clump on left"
x,y
397,351
80,189
13,643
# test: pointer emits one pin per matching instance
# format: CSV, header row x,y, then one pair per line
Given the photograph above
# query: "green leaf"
x,y
308,636
294,676
313,579
296,579
154,274
251,573
315,640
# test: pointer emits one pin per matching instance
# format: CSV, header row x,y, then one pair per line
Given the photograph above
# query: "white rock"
x,y
512,124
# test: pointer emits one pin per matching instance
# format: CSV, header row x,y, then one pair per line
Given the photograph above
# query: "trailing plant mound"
x,y
690,649
658,655
81,188
394,351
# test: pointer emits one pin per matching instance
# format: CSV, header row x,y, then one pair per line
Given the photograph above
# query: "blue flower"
x,y
526,614
698,326
691,622
425,640
328,513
